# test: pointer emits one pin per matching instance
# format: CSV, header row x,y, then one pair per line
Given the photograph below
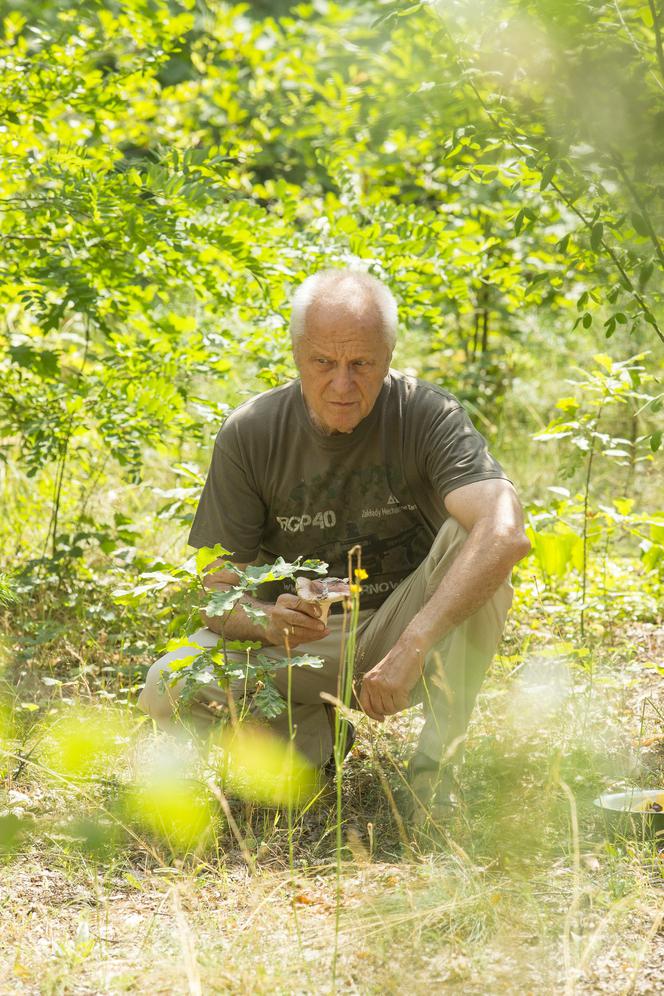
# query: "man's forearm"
x,y
482,565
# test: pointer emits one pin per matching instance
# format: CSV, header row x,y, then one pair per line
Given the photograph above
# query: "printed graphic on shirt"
x,y
327,515
298,523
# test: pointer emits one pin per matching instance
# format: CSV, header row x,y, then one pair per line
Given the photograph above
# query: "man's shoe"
x,y
348,739
432,803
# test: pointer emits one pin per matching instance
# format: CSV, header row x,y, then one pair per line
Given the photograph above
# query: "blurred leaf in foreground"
x,y
260,767
169,801
176,809
87,742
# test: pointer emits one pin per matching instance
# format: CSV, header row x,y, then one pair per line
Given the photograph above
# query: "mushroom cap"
x,y
322,589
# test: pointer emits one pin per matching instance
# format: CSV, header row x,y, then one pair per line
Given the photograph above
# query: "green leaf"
x,y
567,404
180,663
269,700
596,235
208,554
518,221
547,175
281,570
640,225
254,613
656,440
556,551
44,362
307,660
645,273
177,643
223,601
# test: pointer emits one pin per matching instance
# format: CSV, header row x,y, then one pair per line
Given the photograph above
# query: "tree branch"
x,y
654,238
659,48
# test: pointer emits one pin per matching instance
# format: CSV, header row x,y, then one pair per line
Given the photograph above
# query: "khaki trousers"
x,y
453,671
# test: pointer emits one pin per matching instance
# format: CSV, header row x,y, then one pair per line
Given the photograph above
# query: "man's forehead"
x,y
337,305
335,323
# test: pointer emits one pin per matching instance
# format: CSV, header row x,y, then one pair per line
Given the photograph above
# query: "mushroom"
x,y
322,593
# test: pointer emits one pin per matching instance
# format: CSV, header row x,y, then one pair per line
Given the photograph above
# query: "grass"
x,y
527,896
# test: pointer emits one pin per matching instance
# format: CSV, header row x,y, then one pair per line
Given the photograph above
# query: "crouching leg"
x,y
202,713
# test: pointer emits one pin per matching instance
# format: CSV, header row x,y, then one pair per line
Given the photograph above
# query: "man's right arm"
x,y
288,619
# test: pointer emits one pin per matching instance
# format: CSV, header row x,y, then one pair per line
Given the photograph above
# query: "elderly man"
x,y
355,453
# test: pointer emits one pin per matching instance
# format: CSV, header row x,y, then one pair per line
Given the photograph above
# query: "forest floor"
x,y
528,894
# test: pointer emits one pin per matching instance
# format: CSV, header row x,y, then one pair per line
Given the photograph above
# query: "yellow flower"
x,y
361,574
355,589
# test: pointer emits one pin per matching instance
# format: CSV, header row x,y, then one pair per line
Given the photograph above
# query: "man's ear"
x,y
295,350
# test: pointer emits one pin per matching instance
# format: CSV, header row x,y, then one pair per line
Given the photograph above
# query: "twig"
x,y
654,238
235,830
659,49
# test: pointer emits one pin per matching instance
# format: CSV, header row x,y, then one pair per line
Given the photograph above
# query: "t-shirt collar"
x,y
341,440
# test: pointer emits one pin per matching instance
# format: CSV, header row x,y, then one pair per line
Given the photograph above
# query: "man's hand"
x,y
386,688
294,620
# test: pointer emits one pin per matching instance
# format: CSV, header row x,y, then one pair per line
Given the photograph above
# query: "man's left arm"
x,y
491,514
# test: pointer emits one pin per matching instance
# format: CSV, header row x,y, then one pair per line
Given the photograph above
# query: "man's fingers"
x,y
296,627
369,706
309,608
379,700
297,604
296,635
296,620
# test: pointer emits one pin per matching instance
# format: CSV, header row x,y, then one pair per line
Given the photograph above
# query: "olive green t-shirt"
x,y
278,486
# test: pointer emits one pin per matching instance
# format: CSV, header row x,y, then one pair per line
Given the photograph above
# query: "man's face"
x,y
343,359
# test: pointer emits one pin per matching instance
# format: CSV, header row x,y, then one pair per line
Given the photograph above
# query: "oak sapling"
x,y
240,662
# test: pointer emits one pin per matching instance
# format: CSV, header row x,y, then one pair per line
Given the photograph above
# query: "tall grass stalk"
x,y
571,927
351,608
291,758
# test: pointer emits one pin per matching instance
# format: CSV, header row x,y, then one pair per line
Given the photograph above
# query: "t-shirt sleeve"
x,y
456,454
230,510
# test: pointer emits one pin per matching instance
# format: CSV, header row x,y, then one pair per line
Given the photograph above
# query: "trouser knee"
x,y
158,699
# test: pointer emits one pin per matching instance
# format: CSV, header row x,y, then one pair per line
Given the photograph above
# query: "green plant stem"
x,y
345,688
291,747
571,919
586,501
659,47
52,531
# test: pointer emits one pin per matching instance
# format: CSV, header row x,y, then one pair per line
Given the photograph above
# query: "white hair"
x,y
343,285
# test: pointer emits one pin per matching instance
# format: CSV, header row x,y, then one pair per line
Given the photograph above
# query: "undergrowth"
x,y
529,890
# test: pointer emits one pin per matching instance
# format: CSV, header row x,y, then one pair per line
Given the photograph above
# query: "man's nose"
x,y
342,381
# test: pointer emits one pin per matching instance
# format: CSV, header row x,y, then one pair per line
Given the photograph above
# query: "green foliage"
x,y
173,170
252,670
608,385
573,93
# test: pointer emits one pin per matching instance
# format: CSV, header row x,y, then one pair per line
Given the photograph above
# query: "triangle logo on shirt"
x,y
393,501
